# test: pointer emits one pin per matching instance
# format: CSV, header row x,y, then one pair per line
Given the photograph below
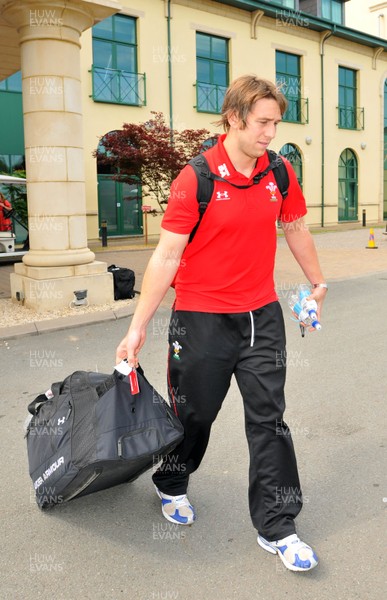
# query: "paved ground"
x,y
115,544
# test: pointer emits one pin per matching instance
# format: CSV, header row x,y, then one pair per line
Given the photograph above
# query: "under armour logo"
x,y
222,195
61,421
223,170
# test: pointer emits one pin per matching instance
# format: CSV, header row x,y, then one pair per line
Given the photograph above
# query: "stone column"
x,y
59,261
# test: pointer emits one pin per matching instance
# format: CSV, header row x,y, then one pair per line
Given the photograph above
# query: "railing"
x,y
118,87
209,97
350,117
297,110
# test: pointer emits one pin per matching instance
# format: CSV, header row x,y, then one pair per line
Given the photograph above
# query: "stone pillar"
x,y
59,261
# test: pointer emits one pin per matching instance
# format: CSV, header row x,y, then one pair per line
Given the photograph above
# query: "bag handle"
x,y
105,386
36,404
101,389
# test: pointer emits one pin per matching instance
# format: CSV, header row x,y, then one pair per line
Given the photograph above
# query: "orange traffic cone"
x,y
371,240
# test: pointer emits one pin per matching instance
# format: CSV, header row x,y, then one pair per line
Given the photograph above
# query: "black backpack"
x,y
124,282
206,180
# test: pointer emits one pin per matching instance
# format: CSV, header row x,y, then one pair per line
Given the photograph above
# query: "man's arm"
x,y
158,277
301,244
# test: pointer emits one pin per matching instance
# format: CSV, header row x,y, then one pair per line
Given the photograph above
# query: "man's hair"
x,y
242,94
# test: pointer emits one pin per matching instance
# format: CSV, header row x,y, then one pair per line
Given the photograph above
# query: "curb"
x,y
39,327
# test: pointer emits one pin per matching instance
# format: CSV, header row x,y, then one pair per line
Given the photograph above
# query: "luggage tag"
x,y
133,380
131,374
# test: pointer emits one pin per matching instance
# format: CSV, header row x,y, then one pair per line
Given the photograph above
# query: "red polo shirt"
x,y
228,267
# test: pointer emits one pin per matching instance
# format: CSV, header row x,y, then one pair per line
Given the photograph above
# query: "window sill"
x,y
117,103
209,112
296,122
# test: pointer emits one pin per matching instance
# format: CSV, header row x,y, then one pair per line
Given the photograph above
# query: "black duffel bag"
x,y
124,281
94,433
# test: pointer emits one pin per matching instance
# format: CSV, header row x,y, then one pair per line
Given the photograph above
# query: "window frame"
x,y
350,116
286,151
118,79
349,179
210,86
296,103
285,5
115,43
330,3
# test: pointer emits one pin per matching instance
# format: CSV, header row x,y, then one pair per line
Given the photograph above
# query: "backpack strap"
x,y
205,187
205,179
280,173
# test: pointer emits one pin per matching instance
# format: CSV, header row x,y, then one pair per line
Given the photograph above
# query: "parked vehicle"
x,y
8,253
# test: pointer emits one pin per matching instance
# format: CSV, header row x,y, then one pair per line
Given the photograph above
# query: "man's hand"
x,y
318,294
130,346
302,246
318,298
158,276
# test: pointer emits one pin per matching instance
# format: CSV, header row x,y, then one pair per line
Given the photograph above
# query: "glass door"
x,y
347,201
120,205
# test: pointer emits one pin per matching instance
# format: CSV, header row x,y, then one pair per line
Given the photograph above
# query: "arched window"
x,y
348,177
292,153
209,143
103,169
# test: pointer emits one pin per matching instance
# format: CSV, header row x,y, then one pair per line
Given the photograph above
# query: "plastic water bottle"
x,y
305,310
310,306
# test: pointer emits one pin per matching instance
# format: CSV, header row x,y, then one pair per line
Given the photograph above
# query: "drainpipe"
x,y
324,36
170,68
380,25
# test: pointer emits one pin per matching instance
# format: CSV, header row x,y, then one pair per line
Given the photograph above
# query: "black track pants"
x,y
205,350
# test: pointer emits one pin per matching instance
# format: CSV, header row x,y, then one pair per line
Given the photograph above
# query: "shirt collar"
x,y
225,168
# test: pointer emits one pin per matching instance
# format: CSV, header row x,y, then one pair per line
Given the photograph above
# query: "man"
x,y
226,318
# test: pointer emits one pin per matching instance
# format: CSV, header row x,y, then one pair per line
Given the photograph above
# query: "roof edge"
x,y
274,10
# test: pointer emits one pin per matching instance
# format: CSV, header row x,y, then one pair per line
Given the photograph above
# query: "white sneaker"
x,y
176,509
296,555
